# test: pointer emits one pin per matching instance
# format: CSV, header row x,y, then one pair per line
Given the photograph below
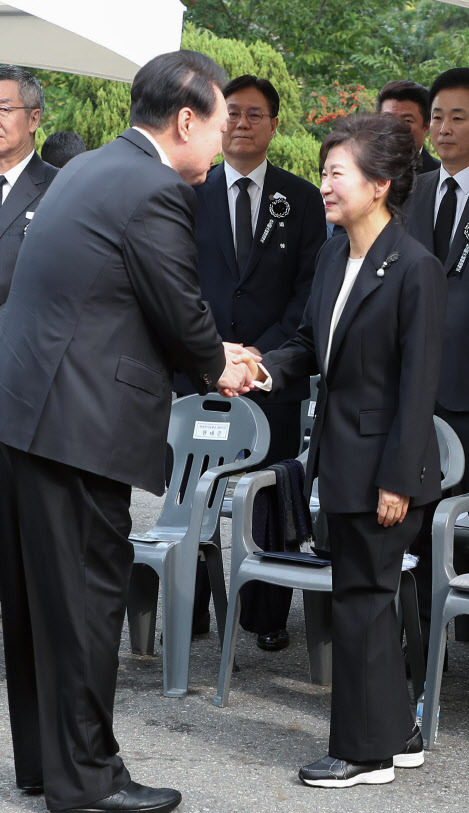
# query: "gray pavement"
x,y
245,758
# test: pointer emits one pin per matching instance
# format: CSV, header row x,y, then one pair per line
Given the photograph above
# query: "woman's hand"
x,y
392,507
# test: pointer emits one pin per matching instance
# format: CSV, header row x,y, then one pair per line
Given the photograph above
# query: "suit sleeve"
x,y
160,256
296,359
312,235
422,309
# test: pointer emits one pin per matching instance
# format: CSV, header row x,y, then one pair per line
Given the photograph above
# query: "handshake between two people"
x,y
241,370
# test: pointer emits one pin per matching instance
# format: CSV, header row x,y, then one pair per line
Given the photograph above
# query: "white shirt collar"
x,y
164,158
14,173
257,175
461,177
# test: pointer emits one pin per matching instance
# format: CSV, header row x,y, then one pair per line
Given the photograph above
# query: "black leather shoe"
x,y
273,641
338,773
32,788
134,798
412,755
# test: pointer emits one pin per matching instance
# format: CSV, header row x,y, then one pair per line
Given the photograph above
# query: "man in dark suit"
x,y
24,177
104,305
259,229
411,102
438,216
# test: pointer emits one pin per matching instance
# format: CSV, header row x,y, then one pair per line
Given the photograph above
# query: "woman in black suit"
x,y
373,328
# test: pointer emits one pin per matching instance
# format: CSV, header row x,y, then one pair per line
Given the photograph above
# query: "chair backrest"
x,y
205,432
451,454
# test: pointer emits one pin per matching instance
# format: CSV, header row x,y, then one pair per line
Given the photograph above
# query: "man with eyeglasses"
x,y
259,229
24,177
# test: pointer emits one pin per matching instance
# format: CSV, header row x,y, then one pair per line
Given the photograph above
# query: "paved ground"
x,y
245,758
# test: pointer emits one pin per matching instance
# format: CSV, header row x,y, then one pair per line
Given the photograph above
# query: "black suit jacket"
x,y
264,306
427,162
104,304
25,196
374,415
453,390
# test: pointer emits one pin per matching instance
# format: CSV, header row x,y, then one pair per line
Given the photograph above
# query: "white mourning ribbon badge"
x,y
279,208
463,256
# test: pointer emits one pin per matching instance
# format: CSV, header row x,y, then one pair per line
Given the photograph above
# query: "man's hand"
x,y
240,370
392,507
254,351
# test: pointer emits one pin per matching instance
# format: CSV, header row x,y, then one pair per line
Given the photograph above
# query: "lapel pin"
x,y
279,206
267,230
391,259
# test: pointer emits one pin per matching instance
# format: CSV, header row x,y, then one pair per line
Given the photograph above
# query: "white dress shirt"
x,y
255,188
462,194
351,273
164,158
12,175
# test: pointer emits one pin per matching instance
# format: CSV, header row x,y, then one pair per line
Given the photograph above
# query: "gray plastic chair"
x,y
316,583
450,598
206,434
452,468
246,566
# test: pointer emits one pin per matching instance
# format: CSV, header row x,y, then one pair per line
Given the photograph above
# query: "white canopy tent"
x,y
111,39
463,3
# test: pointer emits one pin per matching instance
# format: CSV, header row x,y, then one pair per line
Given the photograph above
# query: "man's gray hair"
x,y
30,91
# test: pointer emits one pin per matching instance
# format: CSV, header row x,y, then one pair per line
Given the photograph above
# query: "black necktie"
x,y
2,181
243,223
445,220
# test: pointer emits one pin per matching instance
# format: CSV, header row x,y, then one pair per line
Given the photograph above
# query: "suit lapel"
x,y
367,281
332,284
459,241
272,183
422,208
23,192
216,201
426,211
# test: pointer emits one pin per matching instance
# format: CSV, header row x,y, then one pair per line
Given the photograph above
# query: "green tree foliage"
x,y
97,109
299,153
365,42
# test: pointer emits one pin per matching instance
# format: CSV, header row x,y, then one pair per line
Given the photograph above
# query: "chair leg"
x,y
142,604
178,606
229,645
317,608
436,656
411,621
214,564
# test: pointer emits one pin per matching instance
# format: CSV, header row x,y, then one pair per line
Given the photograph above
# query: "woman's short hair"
x,y
383,148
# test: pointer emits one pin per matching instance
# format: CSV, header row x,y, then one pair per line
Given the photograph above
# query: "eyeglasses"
x,y
253,116
5,111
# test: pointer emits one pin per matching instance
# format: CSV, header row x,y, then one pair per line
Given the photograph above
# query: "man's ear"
x,y
184,120
34,120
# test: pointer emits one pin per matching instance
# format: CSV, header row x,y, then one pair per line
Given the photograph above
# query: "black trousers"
x,y
370,713
66,563
265,607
